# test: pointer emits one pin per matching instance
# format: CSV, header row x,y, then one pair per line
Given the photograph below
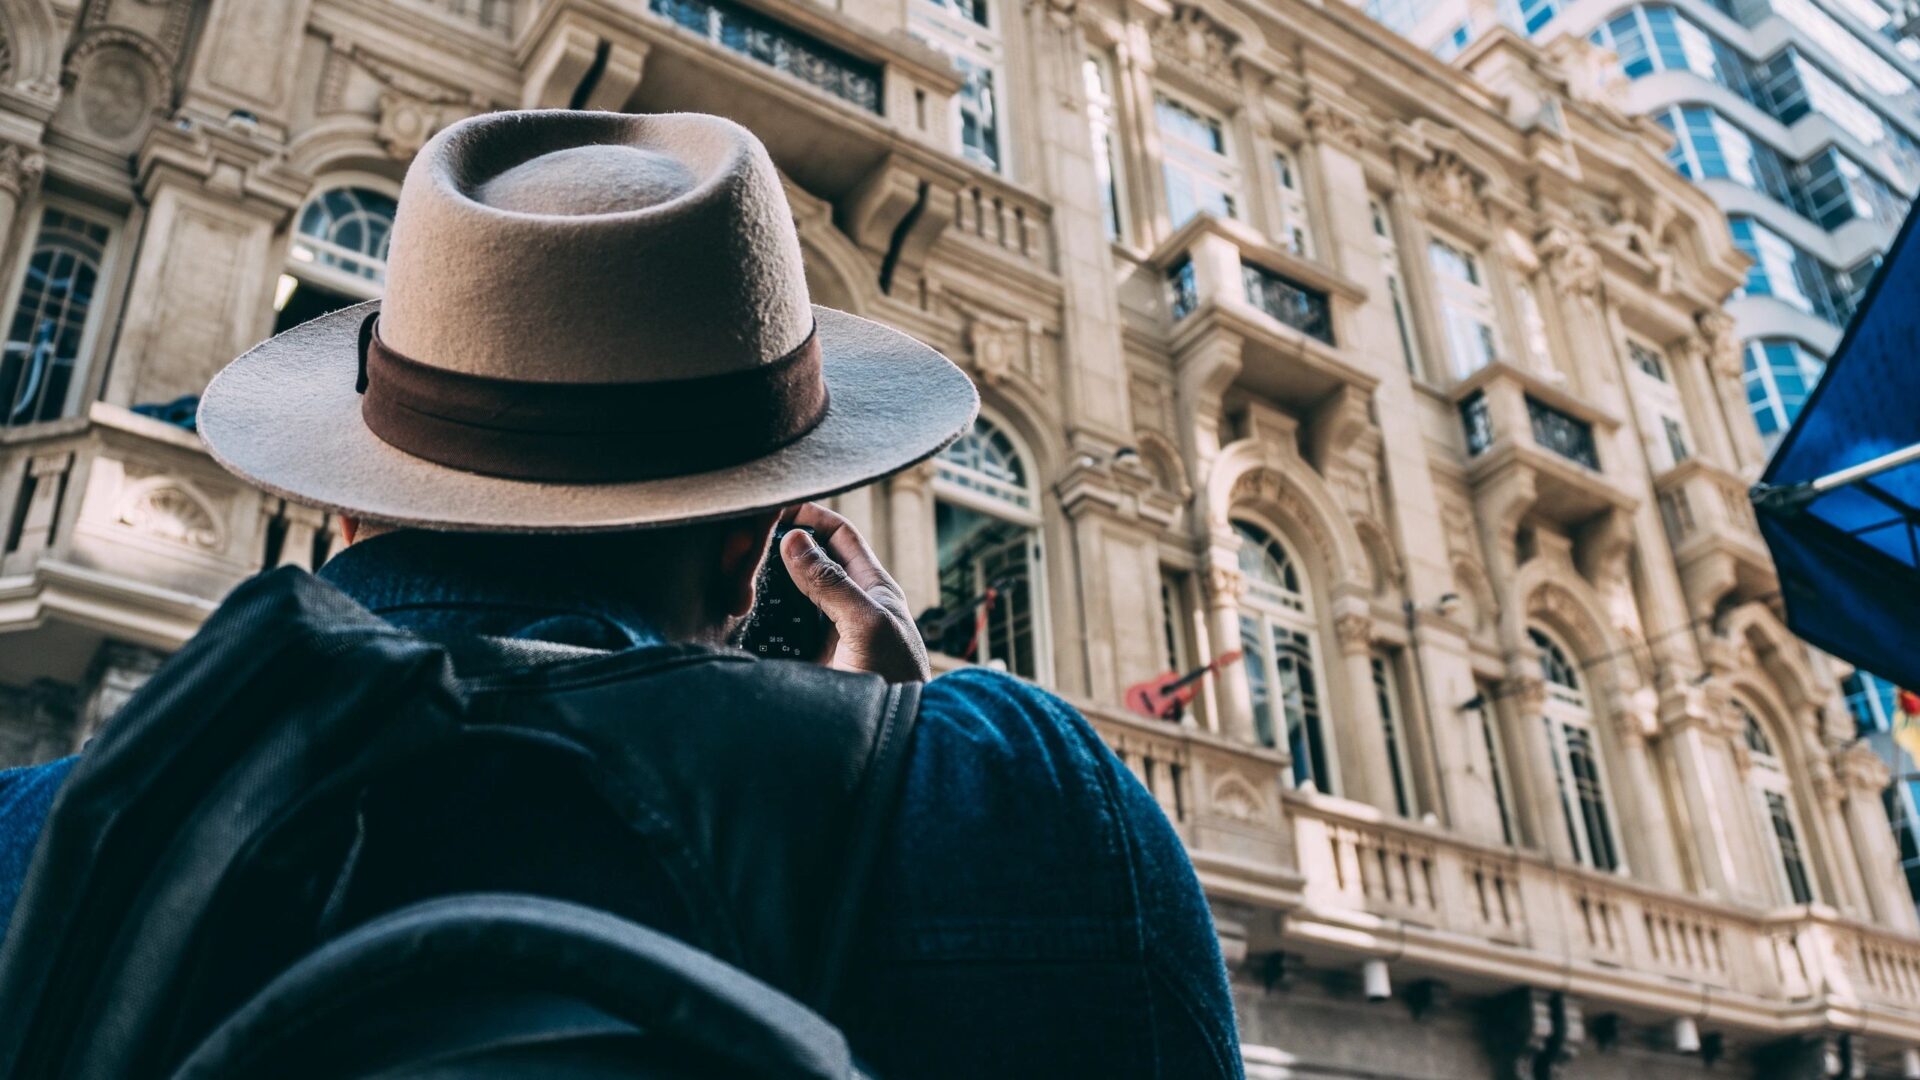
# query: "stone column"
x,y
1684,748
1233,702
1644,829
20,170
1863,777
1826,822
914,558
1365,768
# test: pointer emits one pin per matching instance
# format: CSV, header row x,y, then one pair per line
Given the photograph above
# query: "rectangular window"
x,y
1254,648
962,30
1197,163
1300,699
55,316
1779,374
1792,863
1647,360
1496,765
1173,615
1386,692
1783,271
1677,451
1466,308
1100,118
1296,235
1456,40
987,598
1583,767
1384,239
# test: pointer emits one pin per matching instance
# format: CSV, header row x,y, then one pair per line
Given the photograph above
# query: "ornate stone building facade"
x,y
1409,380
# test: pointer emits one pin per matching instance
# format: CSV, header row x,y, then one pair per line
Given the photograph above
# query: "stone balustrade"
x,y
104,505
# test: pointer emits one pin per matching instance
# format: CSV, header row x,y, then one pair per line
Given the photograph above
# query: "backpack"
x,y
315,844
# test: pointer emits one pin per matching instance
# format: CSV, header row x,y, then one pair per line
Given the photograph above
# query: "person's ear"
x,y
743,547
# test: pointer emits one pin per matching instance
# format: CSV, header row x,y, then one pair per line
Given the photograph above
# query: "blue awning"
x,y
1839,504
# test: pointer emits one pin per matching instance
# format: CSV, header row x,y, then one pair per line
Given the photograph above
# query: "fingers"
x,y
827,584
845,543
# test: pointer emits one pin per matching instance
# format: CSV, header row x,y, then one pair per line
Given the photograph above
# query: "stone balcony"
x,y
1537,449
1716,539
1280,318
102,506
1486,919
857,117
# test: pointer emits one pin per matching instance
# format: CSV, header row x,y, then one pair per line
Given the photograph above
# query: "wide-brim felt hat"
x,y
591,321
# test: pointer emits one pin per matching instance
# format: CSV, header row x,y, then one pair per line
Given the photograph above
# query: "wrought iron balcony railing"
x,y
781,48
1304,309
1564,434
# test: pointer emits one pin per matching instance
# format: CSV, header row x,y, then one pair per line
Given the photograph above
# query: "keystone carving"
x,y
1448,186
1572,264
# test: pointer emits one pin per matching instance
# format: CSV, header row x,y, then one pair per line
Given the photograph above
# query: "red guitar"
x,y
1164,696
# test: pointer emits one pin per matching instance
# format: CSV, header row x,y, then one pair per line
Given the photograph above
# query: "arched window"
x,y
988,536
52,327
1773,800
1277,634
339,253
1578,774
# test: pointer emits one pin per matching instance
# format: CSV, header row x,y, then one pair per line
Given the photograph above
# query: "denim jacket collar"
x,y
507,586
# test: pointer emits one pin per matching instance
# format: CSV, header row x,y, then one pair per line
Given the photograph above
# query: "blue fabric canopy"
x,y
1849,557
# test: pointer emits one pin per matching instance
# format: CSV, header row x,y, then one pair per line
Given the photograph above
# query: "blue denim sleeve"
x,y
1033,912
26,796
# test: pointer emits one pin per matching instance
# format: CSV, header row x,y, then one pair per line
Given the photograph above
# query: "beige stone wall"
x,y
195,133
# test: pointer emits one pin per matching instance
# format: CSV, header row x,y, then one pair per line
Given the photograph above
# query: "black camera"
x,y
785,625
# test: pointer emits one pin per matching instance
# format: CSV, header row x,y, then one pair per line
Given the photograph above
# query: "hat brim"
x,y
286,417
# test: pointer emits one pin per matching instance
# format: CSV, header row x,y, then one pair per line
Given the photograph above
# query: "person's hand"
x,y
872,629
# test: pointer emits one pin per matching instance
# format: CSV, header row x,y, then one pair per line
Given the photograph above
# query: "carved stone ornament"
x,y
1355,631
170,512
1190,37
1448,186
1528,693
1233,797
20,169
1721,343
1225,586
1572,264
406,123
1334,125
997,345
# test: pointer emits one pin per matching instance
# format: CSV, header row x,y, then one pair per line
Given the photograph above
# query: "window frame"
x,y
1221,169
1470,298
1028,517
1384,667
1290,203
978,45
1103,118
1767,779
1386,238
332,278
80,386
1274,611
1569,708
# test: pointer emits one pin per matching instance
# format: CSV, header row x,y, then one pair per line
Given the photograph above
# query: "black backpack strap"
x,y
469,981
874,814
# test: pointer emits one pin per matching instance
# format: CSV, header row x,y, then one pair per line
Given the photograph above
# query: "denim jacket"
x,y
1032,911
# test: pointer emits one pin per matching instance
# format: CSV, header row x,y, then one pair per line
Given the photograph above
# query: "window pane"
x,y
347,228
1792,863
50,317
1585,770
986,610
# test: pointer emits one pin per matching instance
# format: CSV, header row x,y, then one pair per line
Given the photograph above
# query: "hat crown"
x,y
594,248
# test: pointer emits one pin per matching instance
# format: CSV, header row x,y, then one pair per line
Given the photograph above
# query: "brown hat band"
x,y
587,432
